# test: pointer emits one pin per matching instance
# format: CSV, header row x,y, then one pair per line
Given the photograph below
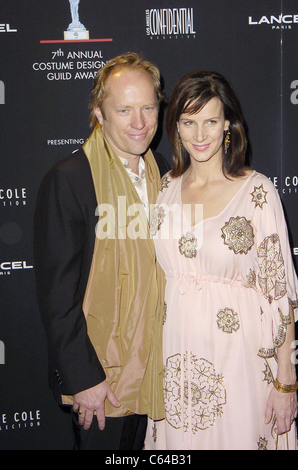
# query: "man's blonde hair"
x,y
130,61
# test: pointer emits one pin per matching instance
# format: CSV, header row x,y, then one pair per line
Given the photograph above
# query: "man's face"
x,y
129,113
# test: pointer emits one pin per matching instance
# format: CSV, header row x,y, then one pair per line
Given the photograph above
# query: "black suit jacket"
x,y
64,236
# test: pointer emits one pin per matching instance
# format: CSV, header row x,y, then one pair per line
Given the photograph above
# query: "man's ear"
x,y
99,115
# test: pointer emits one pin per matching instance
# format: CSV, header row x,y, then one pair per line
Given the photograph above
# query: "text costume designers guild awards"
x,y
75,30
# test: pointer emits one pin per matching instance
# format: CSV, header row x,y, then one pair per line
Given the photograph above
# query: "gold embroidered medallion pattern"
x,y
228,320
259,196
154,432
194,392
271,275
157,218
165,308
188,245
164,183
262,443
252,278
279,340
238,235
268,376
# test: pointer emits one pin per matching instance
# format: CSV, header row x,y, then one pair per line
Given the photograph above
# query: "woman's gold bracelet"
x,y
285,388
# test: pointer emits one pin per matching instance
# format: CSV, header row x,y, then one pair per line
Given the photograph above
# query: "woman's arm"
x,y
284,405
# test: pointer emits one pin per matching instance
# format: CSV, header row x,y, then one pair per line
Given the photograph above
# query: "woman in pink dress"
x,y
231,292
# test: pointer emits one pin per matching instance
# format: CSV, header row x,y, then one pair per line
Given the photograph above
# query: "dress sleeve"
x,y
276,277
59,240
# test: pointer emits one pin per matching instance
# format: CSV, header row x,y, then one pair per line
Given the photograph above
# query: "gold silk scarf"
x,y
124,299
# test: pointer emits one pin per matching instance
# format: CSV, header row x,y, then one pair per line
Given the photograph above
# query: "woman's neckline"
x,y
226,206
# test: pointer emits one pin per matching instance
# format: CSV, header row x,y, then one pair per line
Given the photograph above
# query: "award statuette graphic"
x,y
76,30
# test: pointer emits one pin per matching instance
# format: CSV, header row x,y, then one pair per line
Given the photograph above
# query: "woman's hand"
x,y
284,406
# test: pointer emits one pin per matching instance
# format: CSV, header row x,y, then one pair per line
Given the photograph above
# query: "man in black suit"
x,y
99,287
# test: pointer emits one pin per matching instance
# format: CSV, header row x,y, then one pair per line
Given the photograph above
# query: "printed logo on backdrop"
x,y
170,23
6,28
70,64
286,185
76,31
11,233
9,267
274,22
19,420
66,141
13,197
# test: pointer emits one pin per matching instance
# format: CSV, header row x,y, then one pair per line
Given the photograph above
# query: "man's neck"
x,y
133,163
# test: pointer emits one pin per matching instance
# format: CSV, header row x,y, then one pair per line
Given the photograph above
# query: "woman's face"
x,y
202,133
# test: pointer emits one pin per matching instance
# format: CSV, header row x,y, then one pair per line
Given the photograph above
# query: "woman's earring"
x,y
227,141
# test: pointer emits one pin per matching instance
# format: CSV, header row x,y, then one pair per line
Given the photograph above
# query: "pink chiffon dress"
x,y
230,279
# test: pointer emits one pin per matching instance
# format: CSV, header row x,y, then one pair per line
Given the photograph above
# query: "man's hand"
x,y
92,401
